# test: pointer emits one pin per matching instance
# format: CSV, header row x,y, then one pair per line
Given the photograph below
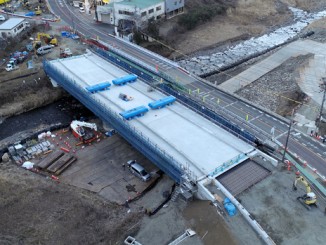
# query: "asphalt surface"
x,y
249,117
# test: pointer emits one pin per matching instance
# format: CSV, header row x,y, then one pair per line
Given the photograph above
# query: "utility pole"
x,y
287,137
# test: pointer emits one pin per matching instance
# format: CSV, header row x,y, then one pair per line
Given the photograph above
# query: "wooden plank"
x,y
50,159
64,167
59,163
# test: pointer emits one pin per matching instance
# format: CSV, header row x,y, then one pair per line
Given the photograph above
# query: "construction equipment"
x,y
26,4
309,199
48,39
4,1
38,10
85,132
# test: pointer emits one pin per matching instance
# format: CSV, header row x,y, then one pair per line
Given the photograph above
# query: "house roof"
x,y
140,3
11,23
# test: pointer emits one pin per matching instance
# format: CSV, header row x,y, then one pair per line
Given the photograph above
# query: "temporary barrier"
x,y
98,87
124,80
162,102
135,112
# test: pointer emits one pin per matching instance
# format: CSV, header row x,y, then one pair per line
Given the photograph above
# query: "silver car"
x,y
138,170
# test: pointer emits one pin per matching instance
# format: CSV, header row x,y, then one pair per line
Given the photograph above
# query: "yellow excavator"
x,y
309,199
49,39
38,10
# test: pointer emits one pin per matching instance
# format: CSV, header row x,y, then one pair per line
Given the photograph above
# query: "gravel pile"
x,y
278,89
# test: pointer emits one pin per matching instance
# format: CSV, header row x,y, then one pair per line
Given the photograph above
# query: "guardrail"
x,y
159,57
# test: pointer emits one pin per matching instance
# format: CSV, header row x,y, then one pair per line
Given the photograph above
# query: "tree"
x,y
152,28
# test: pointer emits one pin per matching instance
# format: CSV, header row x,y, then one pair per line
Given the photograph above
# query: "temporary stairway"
x,y
186,188
175,194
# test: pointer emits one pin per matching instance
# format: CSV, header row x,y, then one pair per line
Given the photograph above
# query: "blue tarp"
x,y
30,14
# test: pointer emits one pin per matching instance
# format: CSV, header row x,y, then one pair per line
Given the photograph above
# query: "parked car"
x,y
82,9
138,170
2,18
44,49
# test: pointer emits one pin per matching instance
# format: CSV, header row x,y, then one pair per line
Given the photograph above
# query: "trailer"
x,y
158,104
135,112
124,80
98,87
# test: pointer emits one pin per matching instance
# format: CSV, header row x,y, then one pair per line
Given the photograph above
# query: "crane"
x,y
309,199
84,131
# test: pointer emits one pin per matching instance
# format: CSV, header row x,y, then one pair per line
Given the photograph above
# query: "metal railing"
x,y
226,165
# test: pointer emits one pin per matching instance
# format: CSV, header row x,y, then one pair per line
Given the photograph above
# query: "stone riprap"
x,y
206,65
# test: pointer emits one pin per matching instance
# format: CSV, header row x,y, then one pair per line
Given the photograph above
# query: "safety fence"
x,y
143,144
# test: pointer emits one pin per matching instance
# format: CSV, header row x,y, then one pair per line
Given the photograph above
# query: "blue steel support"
x,y
159,157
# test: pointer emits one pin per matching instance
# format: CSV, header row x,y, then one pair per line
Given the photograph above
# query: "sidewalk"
x,y
300,47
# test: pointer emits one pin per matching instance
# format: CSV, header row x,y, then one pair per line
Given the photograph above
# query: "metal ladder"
x,y
188,233
175,194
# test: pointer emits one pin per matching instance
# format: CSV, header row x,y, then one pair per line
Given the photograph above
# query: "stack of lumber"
x,y
56,162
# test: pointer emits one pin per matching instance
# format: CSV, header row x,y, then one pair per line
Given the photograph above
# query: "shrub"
x,y
200,15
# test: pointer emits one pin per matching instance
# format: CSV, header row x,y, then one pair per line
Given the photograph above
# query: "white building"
x,y
120,12
173,7
12,27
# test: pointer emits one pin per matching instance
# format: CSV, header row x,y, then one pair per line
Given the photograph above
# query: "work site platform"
x,y
199,145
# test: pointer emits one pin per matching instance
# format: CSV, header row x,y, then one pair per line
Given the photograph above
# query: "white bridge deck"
x,y
196,143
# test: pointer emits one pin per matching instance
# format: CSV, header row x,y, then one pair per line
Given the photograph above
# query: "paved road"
x,y
247,116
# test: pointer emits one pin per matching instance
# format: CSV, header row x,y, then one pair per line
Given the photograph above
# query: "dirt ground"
x,y
247,19
36,210
273,204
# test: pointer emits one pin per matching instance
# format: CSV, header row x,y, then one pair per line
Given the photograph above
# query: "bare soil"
x,y
204,219
244,19
278,90
37,210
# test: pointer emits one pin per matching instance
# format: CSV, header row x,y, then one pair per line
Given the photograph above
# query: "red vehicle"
x,y
85,132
